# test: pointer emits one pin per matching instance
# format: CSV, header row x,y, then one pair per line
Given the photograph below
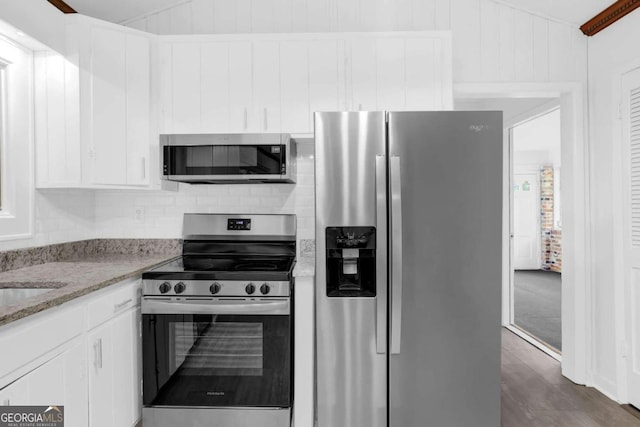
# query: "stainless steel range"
x,y
217,325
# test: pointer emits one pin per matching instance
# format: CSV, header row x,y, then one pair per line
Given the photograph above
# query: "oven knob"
x,y
215,288
165,287
265,289
179,288
250,288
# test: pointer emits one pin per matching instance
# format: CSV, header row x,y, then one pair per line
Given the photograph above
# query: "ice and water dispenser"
x,y
351,261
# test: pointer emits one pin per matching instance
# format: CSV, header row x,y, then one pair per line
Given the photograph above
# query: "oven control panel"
x,y
218,288
239,224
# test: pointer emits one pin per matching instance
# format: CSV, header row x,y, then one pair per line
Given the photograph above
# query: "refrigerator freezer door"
x,y
447,370
350,333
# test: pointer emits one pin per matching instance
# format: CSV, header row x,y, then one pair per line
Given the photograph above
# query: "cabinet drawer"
x,y
111,302
27,339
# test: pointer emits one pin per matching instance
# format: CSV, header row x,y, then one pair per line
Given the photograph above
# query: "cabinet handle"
x,y
244,126
266,124
122,304
359,107
7,402
144,168
97,349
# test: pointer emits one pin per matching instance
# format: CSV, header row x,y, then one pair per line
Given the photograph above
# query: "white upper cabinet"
x,y
266,86
241,117
294,86
93,108
214,90
274,83
326,76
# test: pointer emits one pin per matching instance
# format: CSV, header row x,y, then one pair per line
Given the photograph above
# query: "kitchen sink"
x,y
14,293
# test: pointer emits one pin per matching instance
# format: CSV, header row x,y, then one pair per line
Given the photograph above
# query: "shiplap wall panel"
x,y
540,49
523,53
282,15
492,42
224,16
299,16
347,14
243,16
560,52
489,40
182,19
465,24
203,9
506,70
442,14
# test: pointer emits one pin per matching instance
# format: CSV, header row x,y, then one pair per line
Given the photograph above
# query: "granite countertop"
x,y
75,269
74,274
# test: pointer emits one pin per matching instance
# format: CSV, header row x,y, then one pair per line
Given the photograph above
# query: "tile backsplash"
x,y
158,214
60,216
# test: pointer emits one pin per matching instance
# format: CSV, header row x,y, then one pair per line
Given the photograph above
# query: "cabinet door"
x,y
266,86
101,370
423,85
215,87
138,116
60,381
390,65
294,87
108,105
58,151
185,84
323,76
241,88
363,89
114,378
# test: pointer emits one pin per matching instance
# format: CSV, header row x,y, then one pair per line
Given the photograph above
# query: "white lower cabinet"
x,y
114,374
58,382
94,370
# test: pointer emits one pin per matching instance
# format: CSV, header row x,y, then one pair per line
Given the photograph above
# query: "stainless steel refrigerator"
x,y
408,268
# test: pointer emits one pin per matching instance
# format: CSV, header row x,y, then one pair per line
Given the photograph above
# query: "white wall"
x,y
611,52
537,141
115,210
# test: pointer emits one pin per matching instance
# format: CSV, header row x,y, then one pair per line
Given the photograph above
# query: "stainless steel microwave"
x,y
228,158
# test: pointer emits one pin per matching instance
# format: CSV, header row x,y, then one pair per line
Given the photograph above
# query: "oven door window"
x,y
216,360
196,160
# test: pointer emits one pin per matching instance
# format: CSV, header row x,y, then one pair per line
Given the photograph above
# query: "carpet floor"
x,y
537,305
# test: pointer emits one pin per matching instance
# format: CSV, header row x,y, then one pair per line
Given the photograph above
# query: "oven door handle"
x,y
214,306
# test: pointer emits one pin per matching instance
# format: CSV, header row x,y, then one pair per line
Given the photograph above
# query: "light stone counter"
x,y
73,273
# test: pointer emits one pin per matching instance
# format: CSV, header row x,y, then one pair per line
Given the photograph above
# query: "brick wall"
x,y
551,237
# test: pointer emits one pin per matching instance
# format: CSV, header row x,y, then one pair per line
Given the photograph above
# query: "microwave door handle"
x,y
239,307
381,255
396,254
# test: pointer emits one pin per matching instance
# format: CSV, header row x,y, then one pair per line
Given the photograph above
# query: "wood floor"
x,y
534,393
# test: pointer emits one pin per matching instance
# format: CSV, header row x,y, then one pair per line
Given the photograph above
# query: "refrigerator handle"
x,y
381,255
396,255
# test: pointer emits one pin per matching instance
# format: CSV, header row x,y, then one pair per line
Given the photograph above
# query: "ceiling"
x,y
576,12
120,10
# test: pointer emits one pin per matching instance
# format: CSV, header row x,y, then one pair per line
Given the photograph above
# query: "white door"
x,y
631,135
526,221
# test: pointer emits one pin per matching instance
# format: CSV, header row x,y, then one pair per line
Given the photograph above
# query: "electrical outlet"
x,y
138,215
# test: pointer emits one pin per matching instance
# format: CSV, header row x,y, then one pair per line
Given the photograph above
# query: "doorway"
x,y
516,99
536,230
